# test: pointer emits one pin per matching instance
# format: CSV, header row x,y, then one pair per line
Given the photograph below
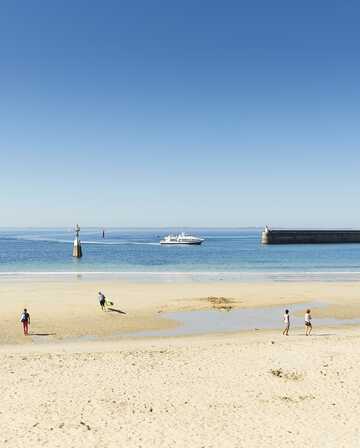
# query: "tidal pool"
x,y
215,321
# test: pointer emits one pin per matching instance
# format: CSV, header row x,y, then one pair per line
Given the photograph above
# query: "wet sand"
x,y
69,309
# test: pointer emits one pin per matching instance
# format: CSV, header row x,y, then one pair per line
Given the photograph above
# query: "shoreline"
x,y
236,275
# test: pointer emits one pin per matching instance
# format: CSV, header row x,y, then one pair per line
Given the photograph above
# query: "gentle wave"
x,y
118,243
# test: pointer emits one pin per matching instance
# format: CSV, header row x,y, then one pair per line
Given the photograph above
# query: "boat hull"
x,y
182,243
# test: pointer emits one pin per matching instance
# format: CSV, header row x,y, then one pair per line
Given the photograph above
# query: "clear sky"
x,y
179,113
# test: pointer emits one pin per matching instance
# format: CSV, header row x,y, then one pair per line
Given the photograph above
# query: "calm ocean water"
x,y
232,254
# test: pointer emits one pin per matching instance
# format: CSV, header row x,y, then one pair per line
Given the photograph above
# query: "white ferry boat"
x,y
181,238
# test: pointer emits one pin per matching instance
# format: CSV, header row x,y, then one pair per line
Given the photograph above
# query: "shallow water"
x,y
45,339
214,321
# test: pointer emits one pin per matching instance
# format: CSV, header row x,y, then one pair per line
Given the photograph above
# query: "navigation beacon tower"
x,y
77,252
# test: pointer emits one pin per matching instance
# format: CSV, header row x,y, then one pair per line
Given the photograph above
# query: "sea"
x,y
136,254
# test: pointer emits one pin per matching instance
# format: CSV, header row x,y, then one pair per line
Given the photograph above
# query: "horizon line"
x,y
129,227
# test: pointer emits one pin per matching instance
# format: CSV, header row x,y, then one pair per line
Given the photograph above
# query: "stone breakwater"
x,y
293,236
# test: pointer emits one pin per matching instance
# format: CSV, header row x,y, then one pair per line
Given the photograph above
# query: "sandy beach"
x,y
245,389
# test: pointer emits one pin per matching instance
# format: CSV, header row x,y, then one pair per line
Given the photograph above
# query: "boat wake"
x,y
102,243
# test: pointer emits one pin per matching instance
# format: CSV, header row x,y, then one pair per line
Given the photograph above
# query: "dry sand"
x,y
246,390
251,389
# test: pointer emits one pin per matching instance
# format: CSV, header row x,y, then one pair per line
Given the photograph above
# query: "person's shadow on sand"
x,y
115,310
317,334
42,334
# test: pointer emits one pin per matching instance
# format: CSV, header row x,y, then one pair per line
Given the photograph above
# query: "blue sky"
x,y
191,113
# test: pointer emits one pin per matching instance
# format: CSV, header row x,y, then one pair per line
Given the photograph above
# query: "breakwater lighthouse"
x,y
77,251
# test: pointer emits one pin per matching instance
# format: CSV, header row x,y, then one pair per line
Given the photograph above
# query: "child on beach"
x,y
25,320
287,323
308,326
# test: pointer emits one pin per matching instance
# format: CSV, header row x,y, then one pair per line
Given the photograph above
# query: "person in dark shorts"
x,y
308,325
25,320
102,300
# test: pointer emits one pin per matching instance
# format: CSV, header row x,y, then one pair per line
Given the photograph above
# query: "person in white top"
x,y
308,325
287,323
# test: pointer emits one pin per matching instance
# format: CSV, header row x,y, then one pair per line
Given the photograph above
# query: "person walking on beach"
x,y
102,300
308,326
25,320
287,323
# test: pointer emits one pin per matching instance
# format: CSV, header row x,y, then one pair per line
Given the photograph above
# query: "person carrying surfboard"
x,y
104,302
